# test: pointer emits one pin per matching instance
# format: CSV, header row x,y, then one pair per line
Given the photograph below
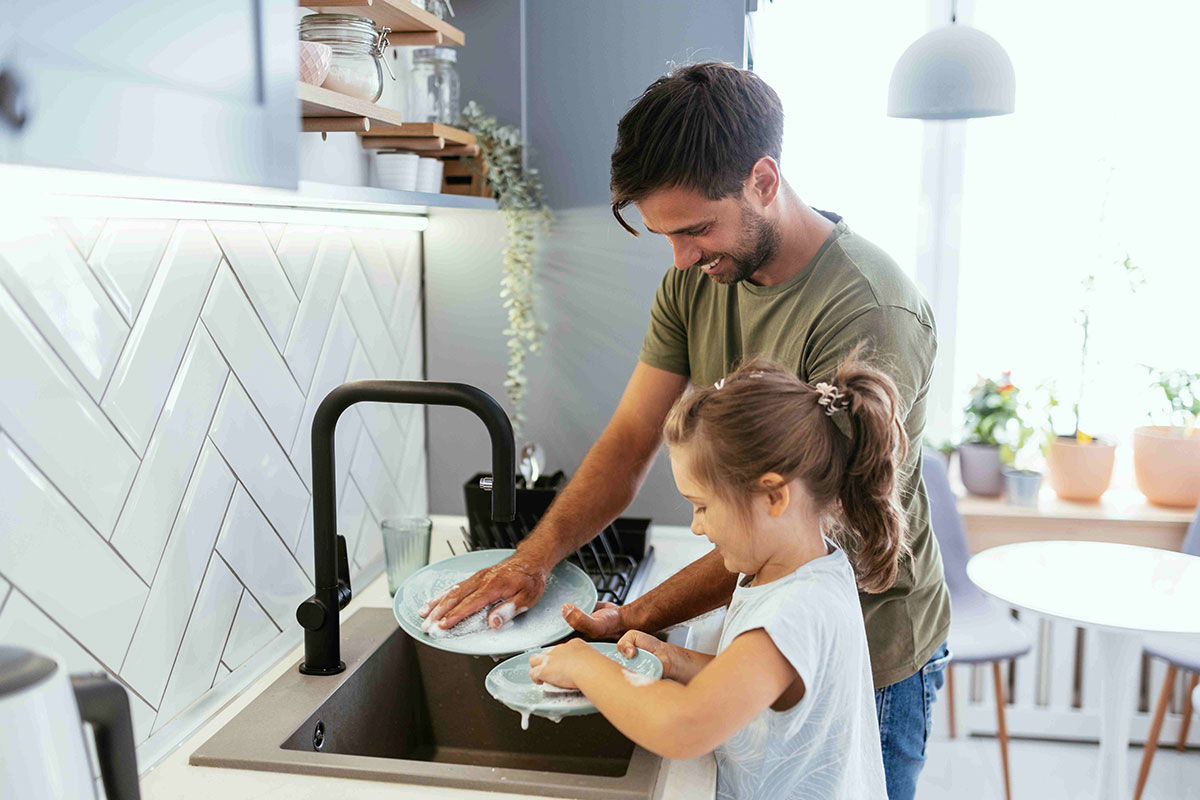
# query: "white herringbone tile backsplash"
x,y
159,382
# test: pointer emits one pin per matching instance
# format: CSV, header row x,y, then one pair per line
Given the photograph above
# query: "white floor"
x,y
970,768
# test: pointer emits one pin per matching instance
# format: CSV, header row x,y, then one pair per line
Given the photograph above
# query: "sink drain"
x,y
319,736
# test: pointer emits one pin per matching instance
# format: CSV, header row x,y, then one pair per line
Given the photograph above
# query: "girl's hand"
x,y
633,641
559,664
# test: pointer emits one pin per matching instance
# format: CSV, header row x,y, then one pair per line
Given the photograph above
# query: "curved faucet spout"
x,y
319,614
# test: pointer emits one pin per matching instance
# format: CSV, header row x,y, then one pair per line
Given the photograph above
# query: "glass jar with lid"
x,y
433,86
358,46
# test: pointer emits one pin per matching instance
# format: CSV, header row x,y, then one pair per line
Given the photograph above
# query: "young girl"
x,y
777,471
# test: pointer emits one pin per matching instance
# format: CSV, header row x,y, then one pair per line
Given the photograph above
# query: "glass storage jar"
x,y
358,62
433,86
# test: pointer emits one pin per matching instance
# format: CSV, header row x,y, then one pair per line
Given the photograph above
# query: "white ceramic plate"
x,y
509,683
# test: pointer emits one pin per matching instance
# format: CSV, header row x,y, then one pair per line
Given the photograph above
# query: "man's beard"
x,y
758,246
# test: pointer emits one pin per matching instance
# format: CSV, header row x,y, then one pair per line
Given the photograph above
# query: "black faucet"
x,y
319,613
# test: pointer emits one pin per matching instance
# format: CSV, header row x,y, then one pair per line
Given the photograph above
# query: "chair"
x,y
981,630
1180,653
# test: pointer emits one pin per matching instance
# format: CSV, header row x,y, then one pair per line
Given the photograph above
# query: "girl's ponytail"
x,y
869,490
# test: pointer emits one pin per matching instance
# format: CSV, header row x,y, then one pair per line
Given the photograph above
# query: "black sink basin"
x,y
408,713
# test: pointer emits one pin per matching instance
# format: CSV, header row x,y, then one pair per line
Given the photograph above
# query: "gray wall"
x,y
585,62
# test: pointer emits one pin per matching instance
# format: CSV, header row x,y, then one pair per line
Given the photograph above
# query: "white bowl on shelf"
x,y
397,171
429,175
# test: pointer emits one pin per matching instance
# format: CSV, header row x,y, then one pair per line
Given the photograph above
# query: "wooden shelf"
x,y
341,111
426,138
410,25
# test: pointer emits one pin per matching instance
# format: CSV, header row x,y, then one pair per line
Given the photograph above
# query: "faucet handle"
x,y
343,573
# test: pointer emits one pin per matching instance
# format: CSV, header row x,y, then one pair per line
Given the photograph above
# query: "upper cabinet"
x,y
152,87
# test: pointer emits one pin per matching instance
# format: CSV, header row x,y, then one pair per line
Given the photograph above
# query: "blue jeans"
x,y
903,710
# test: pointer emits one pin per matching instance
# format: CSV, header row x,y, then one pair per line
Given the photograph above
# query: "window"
x,y
841,152
1099,162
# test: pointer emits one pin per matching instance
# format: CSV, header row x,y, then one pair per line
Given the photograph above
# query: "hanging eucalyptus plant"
x,y
519,197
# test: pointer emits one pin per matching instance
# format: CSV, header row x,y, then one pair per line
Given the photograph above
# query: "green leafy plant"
x,y
995,416
519,196
1181,393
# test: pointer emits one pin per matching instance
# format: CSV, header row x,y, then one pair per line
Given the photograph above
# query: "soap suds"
x,y
636,679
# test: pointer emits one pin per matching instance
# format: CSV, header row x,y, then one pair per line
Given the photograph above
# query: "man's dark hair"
x,y
700,127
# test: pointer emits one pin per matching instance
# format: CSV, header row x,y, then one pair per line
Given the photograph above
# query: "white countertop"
x,y
174,779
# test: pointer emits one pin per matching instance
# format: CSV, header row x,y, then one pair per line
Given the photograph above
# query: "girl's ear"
x,y
777,493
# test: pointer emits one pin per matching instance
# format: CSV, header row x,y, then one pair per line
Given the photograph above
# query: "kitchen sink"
x,y
409,713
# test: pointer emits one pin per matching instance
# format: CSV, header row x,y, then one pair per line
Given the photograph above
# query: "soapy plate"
x,y
509,683
537,627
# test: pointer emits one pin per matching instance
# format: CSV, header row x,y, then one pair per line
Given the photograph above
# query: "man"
x,y
757,271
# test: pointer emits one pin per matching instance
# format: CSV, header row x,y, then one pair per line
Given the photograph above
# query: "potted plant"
x,y
1166,458
1079,465
992,428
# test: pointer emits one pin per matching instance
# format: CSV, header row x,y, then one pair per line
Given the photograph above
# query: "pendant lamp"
x,y
952,72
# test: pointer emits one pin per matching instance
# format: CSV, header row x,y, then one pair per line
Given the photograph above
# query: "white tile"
x,y
320,297
223,672
49,415
252,630
52,283
200,652
51,554
380,422
410,346
250,354
368,322
159,337
266,284
173,593
374,261
261,560
303,547
370,541
170,457
372,478
274,232
350,515
23,625
404,320
83,231
330,373
404,254
296,249
258,461
125,258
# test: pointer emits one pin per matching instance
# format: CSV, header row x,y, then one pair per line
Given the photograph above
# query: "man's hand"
x,y
516,584
605,622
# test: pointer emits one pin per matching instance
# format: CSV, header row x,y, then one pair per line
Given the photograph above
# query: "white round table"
x,y
1119,591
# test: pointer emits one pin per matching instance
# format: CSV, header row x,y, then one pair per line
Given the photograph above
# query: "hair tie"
x,y
834,400
719,384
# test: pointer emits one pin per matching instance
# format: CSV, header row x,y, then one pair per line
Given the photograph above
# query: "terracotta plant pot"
x,y
1080,471
979,465
1167,465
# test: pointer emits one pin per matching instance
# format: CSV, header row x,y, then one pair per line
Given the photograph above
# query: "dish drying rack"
x,y
614,559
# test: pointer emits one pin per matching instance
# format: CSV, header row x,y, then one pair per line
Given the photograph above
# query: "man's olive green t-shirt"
x,y
850,292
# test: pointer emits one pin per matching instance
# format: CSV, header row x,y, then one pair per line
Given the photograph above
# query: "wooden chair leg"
x,y
1187,711
950,695
1003,729
1164,697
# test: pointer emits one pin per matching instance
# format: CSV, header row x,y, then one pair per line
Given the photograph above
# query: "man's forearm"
x,y
701,586
604,486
